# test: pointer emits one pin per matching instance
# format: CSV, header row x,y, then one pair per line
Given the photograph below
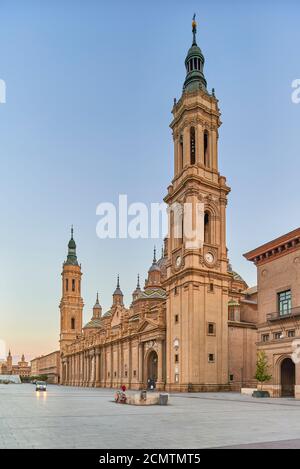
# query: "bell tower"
x,y
197,278
71,304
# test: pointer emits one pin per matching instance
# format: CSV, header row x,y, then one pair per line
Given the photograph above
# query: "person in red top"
x,y
123,387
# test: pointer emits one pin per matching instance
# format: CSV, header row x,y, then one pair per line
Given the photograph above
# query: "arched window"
x,y
193,145
73,284
207,228
67,284
206,148
180,152
73,323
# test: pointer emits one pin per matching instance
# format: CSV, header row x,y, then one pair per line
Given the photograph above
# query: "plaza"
x,y
69,417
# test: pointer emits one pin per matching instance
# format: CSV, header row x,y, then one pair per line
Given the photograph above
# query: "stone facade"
x,y
47,365
278,328
192,326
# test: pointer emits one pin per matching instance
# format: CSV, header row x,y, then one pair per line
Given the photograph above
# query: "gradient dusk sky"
x,y
90,87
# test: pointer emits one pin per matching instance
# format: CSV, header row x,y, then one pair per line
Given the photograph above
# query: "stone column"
x,y
141,364
85,369
98,356
76,369
111,366
160,383
199,145
71,371
92,365
88,369
80,369
214,149
129,371
175,143
65,372
120,371
186,146
297,380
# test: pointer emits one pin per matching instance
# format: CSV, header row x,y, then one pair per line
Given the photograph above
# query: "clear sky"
x,y
90,87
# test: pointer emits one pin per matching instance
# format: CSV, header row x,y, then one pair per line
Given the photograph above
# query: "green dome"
x,y
194,64
72,244
194,51
72,257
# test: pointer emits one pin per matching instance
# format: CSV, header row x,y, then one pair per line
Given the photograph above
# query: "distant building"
x,y
47,365
21,369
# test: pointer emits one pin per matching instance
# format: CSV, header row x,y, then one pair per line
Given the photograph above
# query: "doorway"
x,y
287,370
152,369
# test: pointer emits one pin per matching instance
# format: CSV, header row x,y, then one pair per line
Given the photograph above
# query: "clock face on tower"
x,y
209,257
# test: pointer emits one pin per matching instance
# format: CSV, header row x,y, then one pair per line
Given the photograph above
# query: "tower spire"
x,y
154,255
72,256
138,282
118,295
194,64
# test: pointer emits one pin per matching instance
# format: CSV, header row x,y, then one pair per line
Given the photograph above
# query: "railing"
x,y
289,313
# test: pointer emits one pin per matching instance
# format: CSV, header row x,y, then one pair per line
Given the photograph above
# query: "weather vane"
x,y
194,28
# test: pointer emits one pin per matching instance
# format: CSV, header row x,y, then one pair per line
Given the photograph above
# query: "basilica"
x,y
192,325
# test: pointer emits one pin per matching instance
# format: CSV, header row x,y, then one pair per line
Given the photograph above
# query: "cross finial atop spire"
x,y
118,282
154,255
194,29
97,299
72,231
138,282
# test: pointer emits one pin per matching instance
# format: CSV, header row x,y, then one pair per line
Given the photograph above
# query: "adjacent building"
x,y
278,328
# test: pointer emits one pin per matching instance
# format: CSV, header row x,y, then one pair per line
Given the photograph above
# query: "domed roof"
x,y
194,51
71,257
118,290
72,244
97,304
154,267
93,323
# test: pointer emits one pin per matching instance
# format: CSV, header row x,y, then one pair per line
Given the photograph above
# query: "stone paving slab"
x,y
69,417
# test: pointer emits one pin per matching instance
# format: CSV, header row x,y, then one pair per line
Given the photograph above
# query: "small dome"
x,y
118,290
97,304
154,267
72,244
194,51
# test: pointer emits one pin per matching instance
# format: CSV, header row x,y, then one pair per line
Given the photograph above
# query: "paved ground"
x,y
67,417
